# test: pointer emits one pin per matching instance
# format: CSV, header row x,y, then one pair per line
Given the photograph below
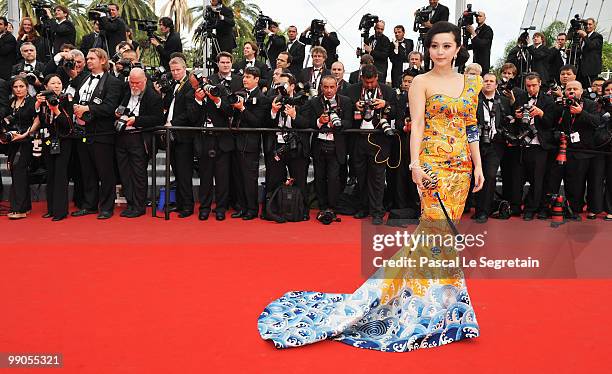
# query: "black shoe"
x,y
481,218
543,214
249,216
47,215
126,212
591,216
220,216
184,213
238,214
306,217
83,212
360,215
203,216
134,214
377,221
55,219
528,216
573,217
105,215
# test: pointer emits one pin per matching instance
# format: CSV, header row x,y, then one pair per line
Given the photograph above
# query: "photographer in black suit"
x,y
250,51
398,55
29,67
311,76
371,150
274,45
140,108
536,111
577,118
480,42
491,115
224,29
8,46
97,98
179,106
252,110
62,30
329,148
592,46
171,45
94,39
216,148
113,27
540,57
279,149
297,50
379,46
558,56
328,40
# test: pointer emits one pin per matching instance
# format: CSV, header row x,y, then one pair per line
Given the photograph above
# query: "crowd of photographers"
x,y
85,113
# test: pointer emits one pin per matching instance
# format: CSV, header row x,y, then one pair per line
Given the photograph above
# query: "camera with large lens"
x,y
505,86
52,98
317,29
146,25
31,75
236,97
262,23
576,24
570,101
40,9
332,113
7,125
126,67
327,216
530,132
121,122
467,17
205,84
67,64
485,133
420,17
163,79
290,144
365,25
94,13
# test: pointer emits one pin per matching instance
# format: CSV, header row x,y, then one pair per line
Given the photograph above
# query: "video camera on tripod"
x,y
262,23
421,16
365,25
466,19
576,24
148,26
95,13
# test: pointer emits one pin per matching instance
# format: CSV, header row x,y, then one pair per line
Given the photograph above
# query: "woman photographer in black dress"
x,y
54,115
17,128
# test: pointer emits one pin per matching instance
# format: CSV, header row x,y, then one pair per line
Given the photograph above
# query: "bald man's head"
x,y
573,89
138,81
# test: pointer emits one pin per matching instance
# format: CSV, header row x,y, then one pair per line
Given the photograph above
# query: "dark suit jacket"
x,y
583,123
315,109
298,53
441,14
8,44
173,44
388,94
481,44
398,59
114,30
540,61
342,87
150,113
556,62
264,79
501,108
275,45
380,53
184,112
354,76
330,42
102,105
225,30
17,68
544,125
256,114
61,34
306,75
89,41
4,97
591,55
301,122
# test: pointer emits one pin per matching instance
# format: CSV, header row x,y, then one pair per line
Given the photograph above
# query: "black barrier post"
x,y
167,191
154,179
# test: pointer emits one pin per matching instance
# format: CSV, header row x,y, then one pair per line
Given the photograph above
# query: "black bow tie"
x,y
535,98
490,100
95,77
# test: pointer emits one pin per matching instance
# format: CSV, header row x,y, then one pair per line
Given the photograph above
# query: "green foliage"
x,y
607,57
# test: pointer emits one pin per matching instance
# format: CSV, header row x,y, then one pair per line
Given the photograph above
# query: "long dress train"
x,y
399,310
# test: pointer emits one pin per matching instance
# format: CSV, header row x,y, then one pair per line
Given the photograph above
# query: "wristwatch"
x,y
414,165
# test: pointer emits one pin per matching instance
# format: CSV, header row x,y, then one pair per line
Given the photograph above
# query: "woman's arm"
x,y
416,98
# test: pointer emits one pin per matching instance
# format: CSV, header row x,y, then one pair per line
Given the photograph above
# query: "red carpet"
x,y
149,296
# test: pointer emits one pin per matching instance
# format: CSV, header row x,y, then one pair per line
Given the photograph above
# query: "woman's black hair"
x,y
443,27
49,76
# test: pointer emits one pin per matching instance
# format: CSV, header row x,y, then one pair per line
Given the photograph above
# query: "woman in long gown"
x,y
402,309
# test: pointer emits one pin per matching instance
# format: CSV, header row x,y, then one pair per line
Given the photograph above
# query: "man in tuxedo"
x,y
144,110
531,158
355,76
297,50
379,46
439,13
337,71
97,97
8,46
398,55
274,45
31,66
370,150
558,56
179,105
250,112
481,39
311,76
592,46
578,122
216,148
293,162
61,29
224,29
329,41
540,57
491,116
250,51
114,27
171,45
329,148
95,39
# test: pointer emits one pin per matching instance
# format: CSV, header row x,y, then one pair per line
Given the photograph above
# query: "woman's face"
x,y
55,85
20,89
27,26
443,49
